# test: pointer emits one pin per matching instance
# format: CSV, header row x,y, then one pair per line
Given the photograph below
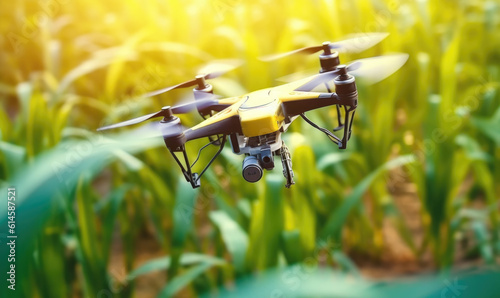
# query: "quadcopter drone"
x,y
254,122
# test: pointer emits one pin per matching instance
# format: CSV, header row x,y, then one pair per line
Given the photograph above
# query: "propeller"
x,y
167,112
355,44
375,69
210,71
158,129
136,120
369,70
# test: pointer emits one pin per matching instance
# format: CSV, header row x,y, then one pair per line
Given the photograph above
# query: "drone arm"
x,y
293,106
347,97
225,126
218,105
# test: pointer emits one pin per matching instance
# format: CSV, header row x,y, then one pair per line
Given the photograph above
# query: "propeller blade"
x,y
355,44
210,71
369,70
375,69
159,129
217,68
317,80
205,102
196,104
299,75
181,85
358,42
131,121
306,50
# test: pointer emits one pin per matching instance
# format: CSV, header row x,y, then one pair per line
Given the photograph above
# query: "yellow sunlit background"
x,y
411,206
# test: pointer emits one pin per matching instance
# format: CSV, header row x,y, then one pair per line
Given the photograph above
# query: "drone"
x,y
255,122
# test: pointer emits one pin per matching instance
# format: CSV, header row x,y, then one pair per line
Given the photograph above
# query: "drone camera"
x,y
252,170
253,165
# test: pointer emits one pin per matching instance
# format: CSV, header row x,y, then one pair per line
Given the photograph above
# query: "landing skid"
x,y
286,160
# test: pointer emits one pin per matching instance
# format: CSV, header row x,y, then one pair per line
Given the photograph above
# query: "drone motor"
x,y
328,59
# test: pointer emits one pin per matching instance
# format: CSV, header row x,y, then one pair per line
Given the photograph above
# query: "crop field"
x,y
409,209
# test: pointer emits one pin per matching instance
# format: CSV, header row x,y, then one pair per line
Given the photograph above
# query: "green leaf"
x,y
5,125
331,159
489,127
304,195
292,247
164,263
336,220
184,279
472,148
100,59
234,237
184,208
89,250
24,93
13,156
245,207
116,68
113,203
483,239
267,224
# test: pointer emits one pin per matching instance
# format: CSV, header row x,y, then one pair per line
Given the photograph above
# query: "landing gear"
x,y
191,177
286,160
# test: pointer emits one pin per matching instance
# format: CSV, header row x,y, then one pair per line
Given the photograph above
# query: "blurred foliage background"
x,y
103,215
